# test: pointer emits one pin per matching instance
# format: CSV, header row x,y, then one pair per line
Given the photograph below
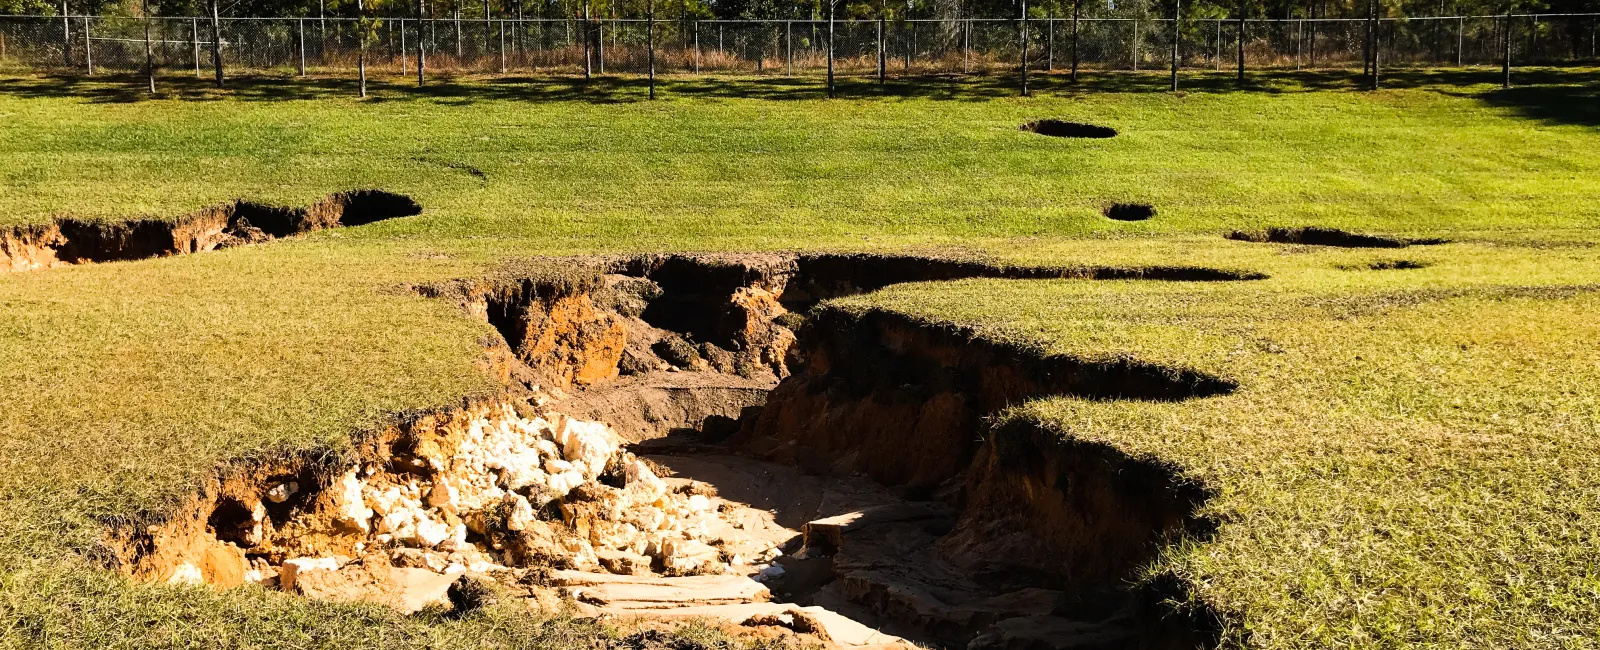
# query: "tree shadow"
x,y
1564,95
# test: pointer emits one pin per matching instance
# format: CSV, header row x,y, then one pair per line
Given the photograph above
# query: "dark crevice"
x,y
1316,236
1065,129
74,241
1129,211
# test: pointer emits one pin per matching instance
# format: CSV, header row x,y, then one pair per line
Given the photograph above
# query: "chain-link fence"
x,y
85,44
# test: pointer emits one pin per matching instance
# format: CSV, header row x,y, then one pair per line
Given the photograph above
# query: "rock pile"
x,y
500,490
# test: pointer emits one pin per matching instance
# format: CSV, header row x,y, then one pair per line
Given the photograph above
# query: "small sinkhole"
x,y
1065,129
1128,211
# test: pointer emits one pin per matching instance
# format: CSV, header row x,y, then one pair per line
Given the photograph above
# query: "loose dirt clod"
x,y
1129,211
1065,129
1316,236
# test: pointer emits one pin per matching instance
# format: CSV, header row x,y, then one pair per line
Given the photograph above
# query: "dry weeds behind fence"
x,y
89,44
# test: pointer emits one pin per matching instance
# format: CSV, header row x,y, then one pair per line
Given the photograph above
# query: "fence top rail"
x,y
767,21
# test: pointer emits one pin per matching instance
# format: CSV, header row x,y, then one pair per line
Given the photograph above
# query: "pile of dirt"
x,y
1316,236
1065,129
75,241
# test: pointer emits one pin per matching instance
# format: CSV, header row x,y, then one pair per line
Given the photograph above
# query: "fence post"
x,y
361,47
1461,39
697,46
1218,57
1299,30
650,41
404,64
502,47
1136,45
1024,48
194,39
88,50
966,46
1050,42
583,33
422,47
788,47
831,91
600,42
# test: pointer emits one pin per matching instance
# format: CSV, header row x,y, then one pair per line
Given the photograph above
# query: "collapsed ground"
x,y
679,441
1407,461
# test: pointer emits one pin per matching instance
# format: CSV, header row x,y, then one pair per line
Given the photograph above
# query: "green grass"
x,y
1411,459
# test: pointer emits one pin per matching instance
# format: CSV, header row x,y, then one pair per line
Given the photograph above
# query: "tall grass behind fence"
x,y
83,44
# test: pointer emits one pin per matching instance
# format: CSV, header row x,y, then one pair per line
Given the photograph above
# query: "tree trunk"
x,y
216,40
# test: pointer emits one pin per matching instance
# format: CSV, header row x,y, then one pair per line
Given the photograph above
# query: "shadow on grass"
x,y
1567,95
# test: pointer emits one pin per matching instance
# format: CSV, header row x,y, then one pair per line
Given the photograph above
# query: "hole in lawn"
x,y
1129,211
1065,129
1315,236
680,442
75,241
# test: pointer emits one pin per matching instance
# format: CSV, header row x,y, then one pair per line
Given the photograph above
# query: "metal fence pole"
x,y
650,42
1218,57
697,47
301,39
1050,42
194,39
502,47
788,46
1136,45
1461,39
88,50
404,64
1177,24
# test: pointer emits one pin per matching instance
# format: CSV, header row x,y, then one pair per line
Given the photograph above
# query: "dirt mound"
x,y
77,241
1065,129
1129,211
1315,236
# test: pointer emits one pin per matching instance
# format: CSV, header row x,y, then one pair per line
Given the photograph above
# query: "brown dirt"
x,y
27,248
896,507
77,241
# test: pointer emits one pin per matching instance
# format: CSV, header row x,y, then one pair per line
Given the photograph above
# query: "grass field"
x,y
1411,460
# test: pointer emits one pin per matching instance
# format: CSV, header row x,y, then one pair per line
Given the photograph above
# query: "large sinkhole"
x,y
697,437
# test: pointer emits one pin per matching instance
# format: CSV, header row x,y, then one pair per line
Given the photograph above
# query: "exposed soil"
x,y
1065,129
1314,236
677,442
1129,211
75,241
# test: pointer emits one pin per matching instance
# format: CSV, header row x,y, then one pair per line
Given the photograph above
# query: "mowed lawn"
x,y
1411,460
